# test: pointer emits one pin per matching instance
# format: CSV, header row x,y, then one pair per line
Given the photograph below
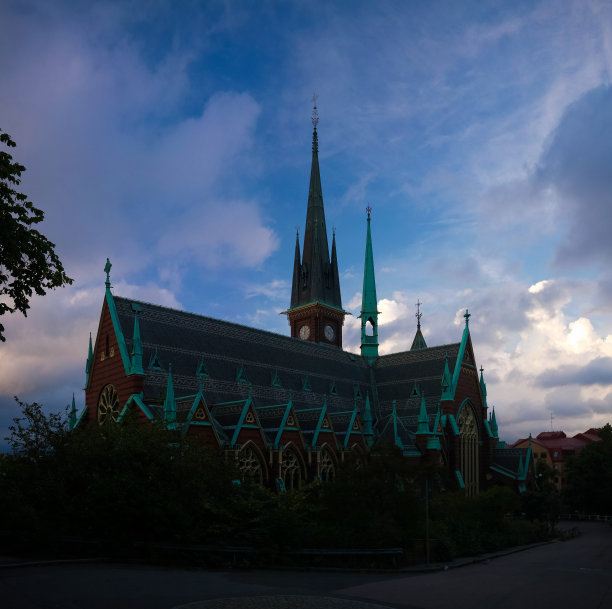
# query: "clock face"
x,y
329,333
305,332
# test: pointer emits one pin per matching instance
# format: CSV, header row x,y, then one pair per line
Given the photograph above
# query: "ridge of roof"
x,y
416,355
319,348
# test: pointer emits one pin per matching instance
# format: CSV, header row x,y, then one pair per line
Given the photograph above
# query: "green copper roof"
x,y
369,302
423,422
419,341
136,344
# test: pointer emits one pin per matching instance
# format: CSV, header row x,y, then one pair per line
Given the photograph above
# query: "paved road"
x,y
576,574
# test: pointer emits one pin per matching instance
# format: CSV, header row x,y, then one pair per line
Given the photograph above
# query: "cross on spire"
x,y
467,316
418,314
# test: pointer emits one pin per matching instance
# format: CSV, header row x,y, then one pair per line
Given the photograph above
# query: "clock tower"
x,y
316,312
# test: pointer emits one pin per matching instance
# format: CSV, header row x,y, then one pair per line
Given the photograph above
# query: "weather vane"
x,y
315,112
418,314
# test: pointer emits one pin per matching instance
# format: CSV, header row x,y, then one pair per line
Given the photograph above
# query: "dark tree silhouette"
x,y
28,262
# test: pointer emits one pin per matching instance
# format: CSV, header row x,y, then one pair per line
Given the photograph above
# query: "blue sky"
x,y
175,138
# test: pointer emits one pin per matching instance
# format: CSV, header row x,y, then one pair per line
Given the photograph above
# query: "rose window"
x,y
108,405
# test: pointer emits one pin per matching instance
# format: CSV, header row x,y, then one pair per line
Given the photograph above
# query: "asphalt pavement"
x,y
574,574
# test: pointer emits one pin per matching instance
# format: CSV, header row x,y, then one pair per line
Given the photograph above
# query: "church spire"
x,y
316,275
419,340
369,303
315,312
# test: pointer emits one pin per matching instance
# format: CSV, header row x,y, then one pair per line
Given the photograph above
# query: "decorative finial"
x,y
418,314
107,270
369,211
481,370
334,231
315,112
467,317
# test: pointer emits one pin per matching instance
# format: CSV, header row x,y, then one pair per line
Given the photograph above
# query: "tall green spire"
x,y
369,308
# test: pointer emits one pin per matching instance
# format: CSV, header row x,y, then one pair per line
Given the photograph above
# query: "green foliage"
x,y
28,262
589,476
129,483
35,434
468,526
117,482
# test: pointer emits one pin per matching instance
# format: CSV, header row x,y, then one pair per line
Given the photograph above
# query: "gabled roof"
x,y
231,364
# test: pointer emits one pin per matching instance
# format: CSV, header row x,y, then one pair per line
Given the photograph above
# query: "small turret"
x,y
493,423
446,382
423,421
89,362
72,421
136,343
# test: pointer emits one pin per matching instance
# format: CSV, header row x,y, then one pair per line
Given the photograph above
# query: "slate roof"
x,y
508,460
273,369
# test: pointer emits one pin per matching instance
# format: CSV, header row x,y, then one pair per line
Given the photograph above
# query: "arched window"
x,y
369,327
250,465
108,404
327,468
291,470
468,434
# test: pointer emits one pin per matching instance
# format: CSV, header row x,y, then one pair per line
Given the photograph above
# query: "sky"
x,y
175,139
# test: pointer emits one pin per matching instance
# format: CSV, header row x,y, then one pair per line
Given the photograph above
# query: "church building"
x,y
290,409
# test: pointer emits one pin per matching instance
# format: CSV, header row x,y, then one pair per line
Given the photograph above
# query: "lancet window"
x,y
327,468
250,466
291,470
468,434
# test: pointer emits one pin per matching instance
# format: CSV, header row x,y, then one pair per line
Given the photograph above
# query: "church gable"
x,y
280,424
200,422
240,422
109,384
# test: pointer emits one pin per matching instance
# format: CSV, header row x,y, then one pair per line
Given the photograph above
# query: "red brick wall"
x,y
110,369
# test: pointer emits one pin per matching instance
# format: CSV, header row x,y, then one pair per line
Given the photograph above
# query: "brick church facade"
x,y
290,409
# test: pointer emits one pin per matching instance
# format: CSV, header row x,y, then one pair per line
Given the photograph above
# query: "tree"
x,y
36,434
28,262
589,479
